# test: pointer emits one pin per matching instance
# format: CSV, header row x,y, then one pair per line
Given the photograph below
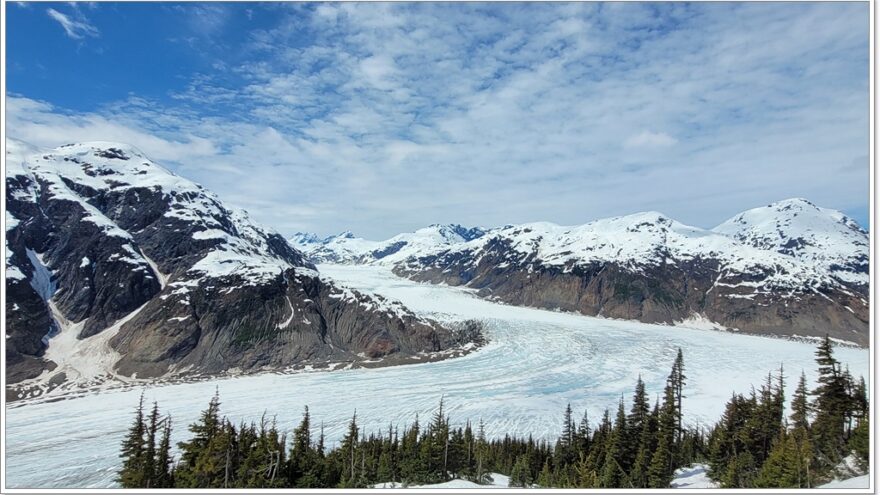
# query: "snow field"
x,y
537,362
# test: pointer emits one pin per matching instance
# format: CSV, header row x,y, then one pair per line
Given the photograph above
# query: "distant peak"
x,y
109,150
465,233
791,202
653,217
305,237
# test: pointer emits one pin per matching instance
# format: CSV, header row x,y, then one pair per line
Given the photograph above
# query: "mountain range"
x,y
790,268
116,268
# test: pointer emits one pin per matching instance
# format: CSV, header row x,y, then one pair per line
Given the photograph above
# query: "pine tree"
x,y
520,475
302,469
582,438
545,477
199,459
800,405
831,406
150,472
132,474
164,469
352,476
566,440
678,380
614,471
635,423
859,441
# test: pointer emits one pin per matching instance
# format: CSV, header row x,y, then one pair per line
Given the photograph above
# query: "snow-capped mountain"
x,y
117,267
830,240
346,248
790,268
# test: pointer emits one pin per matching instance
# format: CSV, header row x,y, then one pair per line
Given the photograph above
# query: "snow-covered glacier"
x,y
537,362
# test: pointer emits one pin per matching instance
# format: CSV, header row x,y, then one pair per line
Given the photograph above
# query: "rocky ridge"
x,y
118,269
790,269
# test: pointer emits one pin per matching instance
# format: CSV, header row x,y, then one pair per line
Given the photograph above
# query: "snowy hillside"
x,y
75,173
826,239
348,249
119,268
790,268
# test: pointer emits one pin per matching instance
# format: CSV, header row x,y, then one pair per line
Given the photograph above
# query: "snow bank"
x,y
693,476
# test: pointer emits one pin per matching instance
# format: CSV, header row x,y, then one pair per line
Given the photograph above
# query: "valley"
x,y
537,361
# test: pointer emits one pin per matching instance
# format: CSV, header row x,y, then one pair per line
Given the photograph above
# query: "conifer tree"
x,y
199,459
351,477
800,405
831,406
582,438
520,475
132,474
165,472
635,423
614,471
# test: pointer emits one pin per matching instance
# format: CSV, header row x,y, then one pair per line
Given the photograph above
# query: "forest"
x,y
637,445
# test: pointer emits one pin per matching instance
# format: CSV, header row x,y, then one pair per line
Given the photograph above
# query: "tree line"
x,y
640,446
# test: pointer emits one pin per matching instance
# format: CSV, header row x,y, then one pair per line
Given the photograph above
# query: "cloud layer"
x,y
385,117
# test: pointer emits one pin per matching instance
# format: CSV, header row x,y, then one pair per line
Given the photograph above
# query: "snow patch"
x,y
693,476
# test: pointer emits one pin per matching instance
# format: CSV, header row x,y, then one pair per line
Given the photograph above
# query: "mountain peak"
x,y
791,203
796,227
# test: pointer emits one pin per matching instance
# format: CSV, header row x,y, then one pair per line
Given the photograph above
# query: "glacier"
x,y
537,361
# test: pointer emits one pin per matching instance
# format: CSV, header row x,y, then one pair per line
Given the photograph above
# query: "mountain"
x,y
830,240
788,269
118,268
348,249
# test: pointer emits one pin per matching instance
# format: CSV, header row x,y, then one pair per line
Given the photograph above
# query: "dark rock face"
x,y
673,289
168,280
298,318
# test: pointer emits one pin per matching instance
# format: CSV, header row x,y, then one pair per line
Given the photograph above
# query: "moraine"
x,y
536,362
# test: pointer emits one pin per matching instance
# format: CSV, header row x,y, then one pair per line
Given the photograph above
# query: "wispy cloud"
x,y
650,139
76,25
383,117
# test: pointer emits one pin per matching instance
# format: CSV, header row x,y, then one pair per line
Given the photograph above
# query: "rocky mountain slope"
x,y
118,268
787,269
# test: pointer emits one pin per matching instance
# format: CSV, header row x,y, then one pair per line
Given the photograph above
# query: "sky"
x,y
382,118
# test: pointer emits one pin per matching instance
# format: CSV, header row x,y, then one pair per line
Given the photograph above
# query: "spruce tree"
x,y
198,466
800,406
164,468
133,474
150,471
351,475
302,463
614,470
831,406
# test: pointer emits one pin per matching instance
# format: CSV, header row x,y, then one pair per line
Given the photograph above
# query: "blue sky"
x,y
381,118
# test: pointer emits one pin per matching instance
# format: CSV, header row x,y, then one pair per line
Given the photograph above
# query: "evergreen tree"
x,y
614,470
199,460
151,473
582,438
348,451
520,475
132,474
800,406
303,470
164,468
831,406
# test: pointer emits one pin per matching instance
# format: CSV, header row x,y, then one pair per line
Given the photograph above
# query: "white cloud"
x,y
650,139
385,117
76,26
